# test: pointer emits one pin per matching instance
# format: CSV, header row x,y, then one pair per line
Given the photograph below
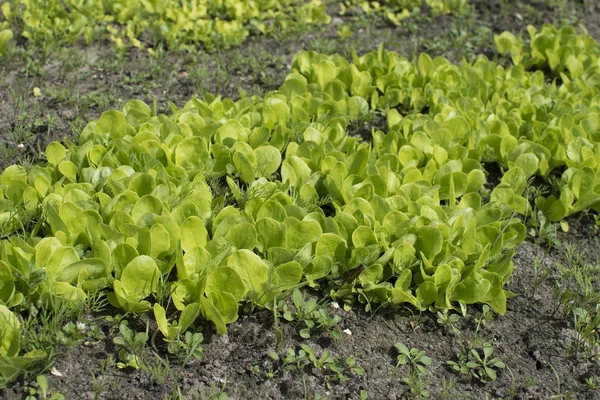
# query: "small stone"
x,y
567,335
68,115
224,339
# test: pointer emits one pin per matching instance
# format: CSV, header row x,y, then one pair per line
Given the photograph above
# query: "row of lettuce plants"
x,y
226,204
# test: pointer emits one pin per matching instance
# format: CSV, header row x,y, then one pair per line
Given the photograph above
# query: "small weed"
x,y
190,345
479,363
449,390
131,345
334,369
418,363
214,393
529,381
578,299
590,383
41,390
448,321
309,316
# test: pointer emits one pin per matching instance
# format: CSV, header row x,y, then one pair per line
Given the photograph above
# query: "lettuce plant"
x,y
6,36
12,363
226,204
185,24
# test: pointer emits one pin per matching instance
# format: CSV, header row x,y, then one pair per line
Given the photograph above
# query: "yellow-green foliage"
x,y
398,10
5,37
224,203
187,23
179,23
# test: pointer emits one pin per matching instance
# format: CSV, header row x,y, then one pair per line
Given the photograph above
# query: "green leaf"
x,y
94,268
113,124
427,292
55,153
226,279
270,233
429,242
268,159
302,233
193,233
191,153
243,166
143,184
574,66
211,313
244,236
148,204
168,331
295,171
251,268
188,316
582,181
193,263
7,284
363,236
287,275
9,332
60,258
5,37
332,245
68,169
226,305
472,289
230,133
184,292
506,43
140,277
275,112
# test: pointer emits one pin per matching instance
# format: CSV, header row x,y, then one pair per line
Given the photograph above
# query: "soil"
x,y
532,338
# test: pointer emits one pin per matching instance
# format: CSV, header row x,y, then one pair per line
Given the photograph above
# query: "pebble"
x,y
567,335
68,115
224,339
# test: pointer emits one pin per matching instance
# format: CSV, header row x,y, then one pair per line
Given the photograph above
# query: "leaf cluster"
x,y
310,316
179,24
479,363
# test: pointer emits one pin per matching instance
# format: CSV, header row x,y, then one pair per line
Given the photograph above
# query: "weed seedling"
x,y
447,320
309,316
486,316
131,344
418,363
484,368
41,391
334,368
